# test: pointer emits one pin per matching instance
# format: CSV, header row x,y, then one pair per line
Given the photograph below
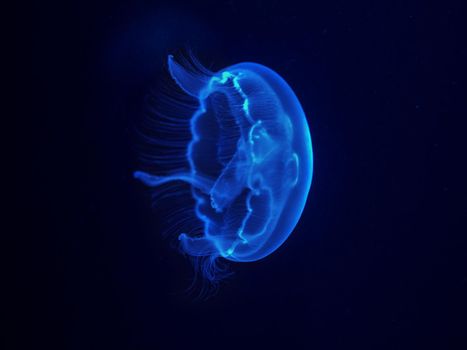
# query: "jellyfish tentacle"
x,y
190,81
230,183
201,182
197,246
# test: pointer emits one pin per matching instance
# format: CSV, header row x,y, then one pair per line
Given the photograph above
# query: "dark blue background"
x,y
378,258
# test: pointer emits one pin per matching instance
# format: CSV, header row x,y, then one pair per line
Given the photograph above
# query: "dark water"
x,y
379,257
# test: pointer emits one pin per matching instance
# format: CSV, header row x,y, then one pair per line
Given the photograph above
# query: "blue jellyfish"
x,y
249,162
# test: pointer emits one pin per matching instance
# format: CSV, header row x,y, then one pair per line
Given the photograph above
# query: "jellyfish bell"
x,y
250,161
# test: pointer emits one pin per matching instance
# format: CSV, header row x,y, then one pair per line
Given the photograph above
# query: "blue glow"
x,y
250,162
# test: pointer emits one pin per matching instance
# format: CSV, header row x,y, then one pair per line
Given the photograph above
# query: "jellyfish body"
x,y
250,161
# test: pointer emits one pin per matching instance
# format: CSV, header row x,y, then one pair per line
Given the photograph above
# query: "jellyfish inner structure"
x,y
250,162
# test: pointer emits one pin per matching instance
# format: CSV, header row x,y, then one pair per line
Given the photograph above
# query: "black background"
x,y
378,258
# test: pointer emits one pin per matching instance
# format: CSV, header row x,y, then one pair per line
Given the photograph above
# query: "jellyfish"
x,y
249,162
